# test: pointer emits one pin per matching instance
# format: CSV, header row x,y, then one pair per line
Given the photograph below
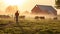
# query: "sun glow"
x,y
14,2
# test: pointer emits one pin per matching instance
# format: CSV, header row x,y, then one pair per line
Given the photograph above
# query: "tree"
x,y
57,3
11,9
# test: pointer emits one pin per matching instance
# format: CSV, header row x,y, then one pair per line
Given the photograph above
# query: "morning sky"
x,y
27,5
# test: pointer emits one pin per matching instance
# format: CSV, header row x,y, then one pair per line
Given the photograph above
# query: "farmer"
x,y
16,16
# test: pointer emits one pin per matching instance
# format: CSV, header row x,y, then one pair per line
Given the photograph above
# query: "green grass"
x,y
31,26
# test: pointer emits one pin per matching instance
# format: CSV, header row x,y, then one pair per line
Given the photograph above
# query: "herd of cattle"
x,y
23,17
37,17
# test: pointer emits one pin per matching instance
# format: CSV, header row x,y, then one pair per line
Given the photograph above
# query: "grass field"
x,y
29,26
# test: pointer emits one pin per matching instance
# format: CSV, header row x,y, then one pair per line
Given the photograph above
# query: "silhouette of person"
x,y
16,16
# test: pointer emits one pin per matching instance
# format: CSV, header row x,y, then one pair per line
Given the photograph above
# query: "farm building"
x,y
44,10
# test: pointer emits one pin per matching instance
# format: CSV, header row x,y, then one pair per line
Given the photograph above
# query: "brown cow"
x,y
42,17
22,17
36,17
55,18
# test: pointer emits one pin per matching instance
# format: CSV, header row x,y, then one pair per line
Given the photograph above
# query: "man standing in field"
x,y
16,16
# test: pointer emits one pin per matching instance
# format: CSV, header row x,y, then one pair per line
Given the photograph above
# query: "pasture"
x,y
29,26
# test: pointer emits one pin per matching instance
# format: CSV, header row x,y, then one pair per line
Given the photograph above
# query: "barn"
x,y
44,11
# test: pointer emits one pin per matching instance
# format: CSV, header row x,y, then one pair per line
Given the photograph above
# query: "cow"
x,y
42,17
55,18
36,17
22,17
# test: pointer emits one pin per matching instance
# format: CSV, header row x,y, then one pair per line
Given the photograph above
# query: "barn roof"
x,y
48,9
44,7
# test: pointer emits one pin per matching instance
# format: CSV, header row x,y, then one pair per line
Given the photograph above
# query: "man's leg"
x,y
16,19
